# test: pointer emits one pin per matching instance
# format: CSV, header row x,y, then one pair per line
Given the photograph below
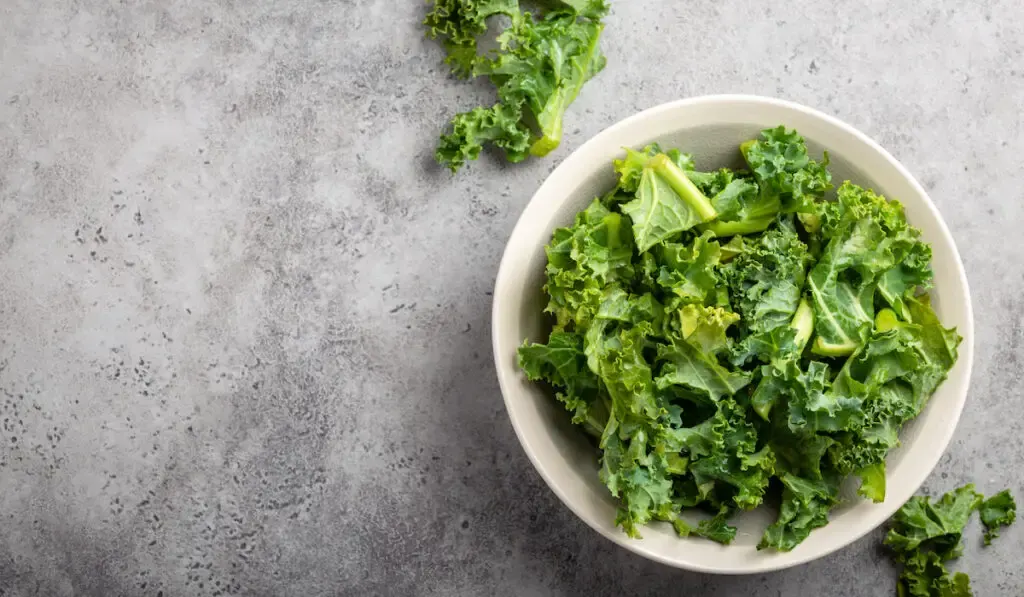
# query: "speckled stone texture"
x,y
244,341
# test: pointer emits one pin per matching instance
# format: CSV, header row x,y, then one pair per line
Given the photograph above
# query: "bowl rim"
x,y
504,373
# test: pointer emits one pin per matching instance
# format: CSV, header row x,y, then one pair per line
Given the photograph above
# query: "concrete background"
x,y
244,319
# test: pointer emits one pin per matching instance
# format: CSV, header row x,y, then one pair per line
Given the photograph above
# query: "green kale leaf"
x,y
867,237
502,125
687,366
805,507
921,524
716,528
562,364
924,535
785,172
667,202
688,274
582,260
539,68
765,283
997,511
460,23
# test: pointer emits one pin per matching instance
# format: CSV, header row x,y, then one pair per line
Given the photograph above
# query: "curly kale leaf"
x,y
460,23
742,209
667,202
501,125
688,274
582,260
632,468
933,526
561,363
785,172
872,482
639,477
868,237
925,575
545,63
782,179
705,328
805,507
687,366
631,167
997,511
539,67
925,534
765,283
716,528
724,455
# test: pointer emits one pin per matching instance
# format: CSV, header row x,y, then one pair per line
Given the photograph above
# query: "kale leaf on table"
x,y
923,535
541,62
734,334
997,511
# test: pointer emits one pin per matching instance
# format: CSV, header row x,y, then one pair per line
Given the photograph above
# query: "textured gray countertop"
x,y
244,342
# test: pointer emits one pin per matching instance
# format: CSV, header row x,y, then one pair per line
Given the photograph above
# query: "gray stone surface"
x,y
244,341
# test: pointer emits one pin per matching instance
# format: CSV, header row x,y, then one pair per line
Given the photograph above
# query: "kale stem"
x,y
739,227
803,323
683,186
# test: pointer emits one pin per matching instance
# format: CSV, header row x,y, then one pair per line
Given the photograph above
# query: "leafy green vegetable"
x,y
785,171
713,372
805,507
586,265
667,202
936,526
686,365
715,528
562,362
872,482
765,284
500,124
925,575
459,24
924,535
539,67
998,510
706,327
784,180
845,279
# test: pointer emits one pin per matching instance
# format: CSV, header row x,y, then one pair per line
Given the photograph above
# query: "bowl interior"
x,y
712,129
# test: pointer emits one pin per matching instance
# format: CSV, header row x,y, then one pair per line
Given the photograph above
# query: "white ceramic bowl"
x,y
711,128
